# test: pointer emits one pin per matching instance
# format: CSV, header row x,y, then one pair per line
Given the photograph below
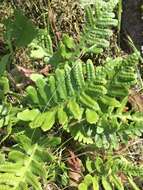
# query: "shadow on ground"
x,y
132,23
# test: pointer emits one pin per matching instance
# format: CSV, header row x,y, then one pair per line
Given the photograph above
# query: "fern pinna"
x,y
89,103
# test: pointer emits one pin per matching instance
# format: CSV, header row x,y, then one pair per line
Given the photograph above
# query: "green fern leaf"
x,y
9,167
132,183
70,89
110,101
62,116
8,179
89,102
28,115
82,186
90,70
95,181
6,187
41,89
38,169
24,142
53,93
33,95
32,180
38,121
81,134
49,120
117,182
60,77
106,184
16,156
97,90
78,74
91,116
75,109
68,41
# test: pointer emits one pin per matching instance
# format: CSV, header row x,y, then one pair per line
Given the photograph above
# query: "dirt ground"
x,y
132,24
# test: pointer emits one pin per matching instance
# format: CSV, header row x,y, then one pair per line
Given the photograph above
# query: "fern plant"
x,y
88,103
27,163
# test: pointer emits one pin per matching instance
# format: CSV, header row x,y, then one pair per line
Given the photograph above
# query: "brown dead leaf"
x,y
52,19
136,100
75,169
122,177
25,72
20,76
51,186
45,70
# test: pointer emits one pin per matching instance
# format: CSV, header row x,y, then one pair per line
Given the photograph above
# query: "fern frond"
x,y
107,172
71,81
77,90
26,165
129,168
97,30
